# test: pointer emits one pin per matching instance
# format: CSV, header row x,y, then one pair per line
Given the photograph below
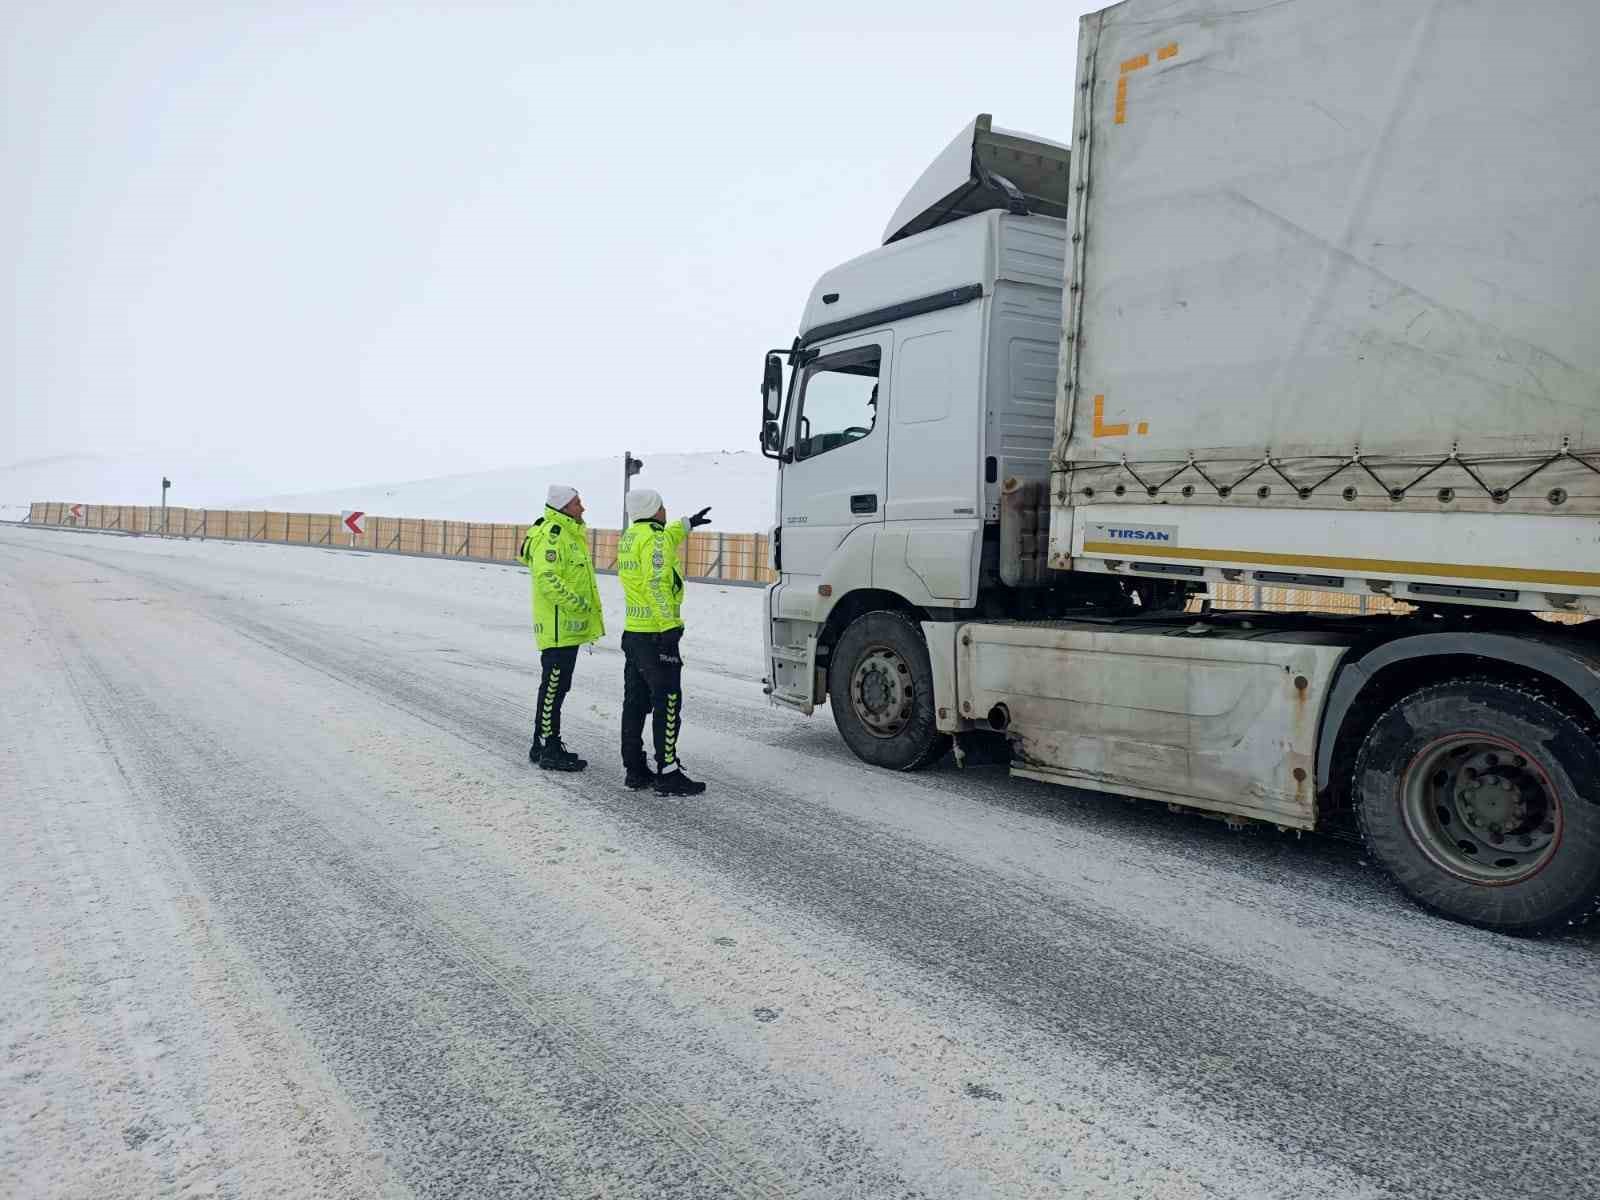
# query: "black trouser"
x,y
652,681
555,680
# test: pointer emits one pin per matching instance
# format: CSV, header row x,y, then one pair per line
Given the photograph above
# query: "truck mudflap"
x,y
1208,718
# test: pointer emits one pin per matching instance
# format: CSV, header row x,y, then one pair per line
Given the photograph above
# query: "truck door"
x,y
836,456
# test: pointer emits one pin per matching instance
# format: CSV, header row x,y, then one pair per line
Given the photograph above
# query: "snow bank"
x,y
739,485
100,479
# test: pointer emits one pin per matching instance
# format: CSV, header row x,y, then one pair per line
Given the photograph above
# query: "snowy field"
x,y
286,912
739,486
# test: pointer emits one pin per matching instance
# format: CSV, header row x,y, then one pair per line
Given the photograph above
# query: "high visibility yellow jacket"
x,y
652,575
566,598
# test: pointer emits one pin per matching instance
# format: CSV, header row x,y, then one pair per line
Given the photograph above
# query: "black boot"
x,y
639,777
556,757
534,751
676,783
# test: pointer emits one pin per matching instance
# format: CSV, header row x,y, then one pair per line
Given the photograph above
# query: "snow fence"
x,y
728,557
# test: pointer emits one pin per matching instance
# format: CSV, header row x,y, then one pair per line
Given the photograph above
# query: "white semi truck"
x,y
1308,297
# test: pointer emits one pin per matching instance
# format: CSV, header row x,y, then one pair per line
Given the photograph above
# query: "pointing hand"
x,y
700,518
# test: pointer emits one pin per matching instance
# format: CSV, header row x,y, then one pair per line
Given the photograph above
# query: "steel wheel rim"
x,y
1482,808
882,694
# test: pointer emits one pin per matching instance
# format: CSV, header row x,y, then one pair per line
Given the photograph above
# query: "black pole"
x,y
630,467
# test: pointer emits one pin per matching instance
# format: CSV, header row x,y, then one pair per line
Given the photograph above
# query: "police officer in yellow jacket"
x,y
651,571
566,615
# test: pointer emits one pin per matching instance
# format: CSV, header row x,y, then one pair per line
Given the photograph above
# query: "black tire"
x,y
1482,799
908,737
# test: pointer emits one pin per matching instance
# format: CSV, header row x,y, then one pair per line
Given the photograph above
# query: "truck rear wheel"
x,y
1482,799
880,685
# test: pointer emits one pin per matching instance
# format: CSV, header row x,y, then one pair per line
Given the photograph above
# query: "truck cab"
x,y
920,395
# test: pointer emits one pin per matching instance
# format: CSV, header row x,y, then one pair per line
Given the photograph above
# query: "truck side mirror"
x,y
771,435
772,389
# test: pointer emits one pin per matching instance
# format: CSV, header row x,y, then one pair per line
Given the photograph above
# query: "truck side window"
x,y
838,401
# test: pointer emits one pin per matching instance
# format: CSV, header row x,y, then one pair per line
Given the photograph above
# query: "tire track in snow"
x,y
161,1069
282,878
1235,1039
1320,1080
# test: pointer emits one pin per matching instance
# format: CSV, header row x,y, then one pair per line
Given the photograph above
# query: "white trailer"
x,y
1308,298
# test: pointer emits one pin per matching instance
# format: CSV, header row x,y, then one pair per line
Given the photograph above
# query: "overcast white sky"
x,y
309,245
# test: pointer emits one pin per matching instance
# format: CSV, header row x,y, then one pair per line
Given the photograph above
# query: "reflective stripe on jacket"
x,y
652,575
566,598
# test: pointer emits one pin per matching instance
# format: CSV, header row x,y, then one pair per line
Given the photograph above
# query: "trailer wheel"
x,y
880,685
1482,799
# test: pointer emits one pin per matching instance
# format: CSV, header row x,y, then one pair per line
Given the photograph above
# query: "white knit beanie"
x,y
560,495
643,504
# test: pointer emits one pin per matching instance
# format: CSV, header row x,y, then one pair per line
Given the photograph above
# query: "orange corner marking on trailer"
x,y
1101,429
1137,63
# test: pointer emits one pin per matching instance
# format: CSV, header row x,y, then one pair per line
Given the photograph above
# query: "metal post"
x,y
630,467
165,484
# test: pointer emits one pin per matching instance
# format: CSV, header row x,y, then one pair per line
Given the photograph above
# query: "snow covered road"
x,y
286,912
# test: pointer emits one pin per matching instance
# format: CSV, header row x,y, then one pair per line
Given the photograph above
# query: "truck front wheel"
x,y
881,687
1482,799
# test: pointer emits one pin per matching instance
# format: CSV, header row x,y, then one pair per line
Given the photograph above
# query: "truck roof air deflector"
x,y
984,168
